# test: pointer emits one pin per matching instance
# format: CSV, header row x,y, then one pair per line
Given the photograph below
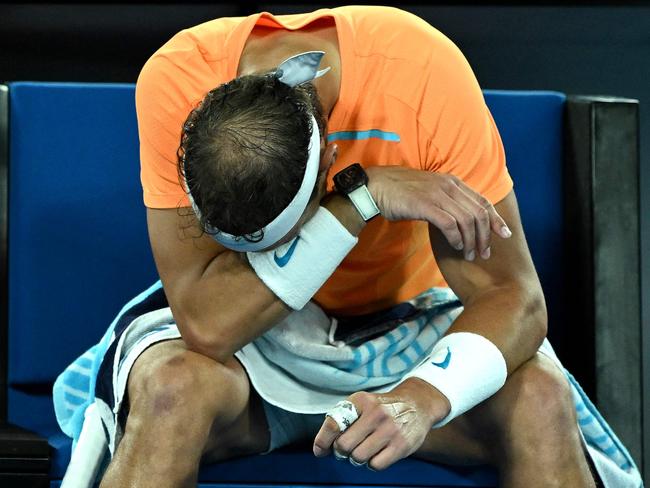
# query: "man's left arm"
x,y
502,295
504,319
503,302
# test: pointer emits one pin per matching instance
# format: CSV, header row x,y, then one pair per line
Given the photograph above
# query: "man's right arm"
x,y
217,300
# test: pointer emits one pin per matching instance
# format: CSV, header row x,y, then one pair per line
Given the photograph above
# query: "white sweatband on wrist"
x,y
467,368
295,271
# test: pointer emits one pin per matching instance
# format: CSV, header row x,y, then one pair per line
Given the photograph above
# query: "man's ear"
x,y
329,157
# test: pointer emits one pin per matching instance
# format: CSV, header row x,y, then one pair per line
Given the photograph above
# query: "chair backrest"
x,y
78,247
531,125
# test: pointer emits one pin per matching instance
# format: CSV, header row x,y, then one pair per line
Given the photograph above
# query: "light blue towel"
x,y
74,389
302,346
300,353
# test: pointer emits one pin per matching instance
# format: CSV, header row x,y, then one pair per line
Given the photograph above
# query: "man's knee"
x,y
536,402
173,380
171,386
544,390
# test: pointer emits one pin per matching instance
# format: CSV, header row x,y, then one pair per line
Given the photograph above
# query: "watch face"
x,y
351,178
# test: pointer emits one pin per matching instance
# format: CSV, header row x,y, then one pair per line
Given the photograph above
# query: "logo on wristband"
x,y
283,260
445,362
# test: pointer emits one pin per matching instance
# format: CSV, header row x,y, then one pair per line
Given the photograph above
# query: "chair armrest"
x,y
24,456
4,206
603,257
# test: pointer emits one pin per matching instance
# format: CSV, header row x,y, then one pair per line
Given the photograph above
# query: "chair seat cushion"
x,y
292,466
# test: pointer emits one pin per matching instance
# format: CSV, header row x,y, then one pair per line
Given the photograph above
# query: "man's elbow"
x,y
208,341
215,351
535,313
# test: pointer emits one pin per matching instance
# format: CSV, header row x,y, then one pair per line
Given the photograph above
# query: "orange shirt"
x,y
408,96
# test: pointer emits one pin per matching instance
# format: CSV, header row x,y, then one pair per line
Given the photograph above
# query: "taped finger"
x,y
344,414
325,437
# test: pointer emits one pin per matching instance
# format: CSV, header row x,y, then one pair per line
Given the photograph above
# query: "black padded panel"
x,y
603,239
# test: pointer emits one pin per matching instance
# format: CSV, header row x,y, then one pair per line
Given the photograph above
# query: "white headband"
x,y
293,71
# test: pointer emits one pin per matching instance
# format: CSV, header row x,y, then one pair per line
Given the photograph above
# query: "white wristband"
x,y
467,368
295,271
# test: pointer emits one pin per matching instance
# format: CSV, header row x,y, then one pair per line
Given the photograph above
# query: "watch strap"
x,y
364,203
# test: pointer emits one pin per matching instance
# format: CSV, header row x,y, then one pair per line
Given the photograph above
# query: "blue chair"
x,y
78,250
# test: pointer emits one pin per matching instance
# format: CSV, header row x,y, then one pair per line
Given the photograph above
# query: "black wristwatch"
x,y
352,181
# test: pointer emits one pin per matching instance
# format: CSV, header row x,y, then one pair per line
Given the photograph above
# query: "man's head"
x,y
244,151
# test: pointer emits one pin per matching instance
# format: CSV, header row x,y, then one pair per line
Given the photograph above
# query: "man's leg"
x,y
184,407
527,430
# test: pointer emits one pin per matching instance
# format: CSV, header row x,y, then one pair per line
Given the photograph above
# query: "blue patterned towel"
x,y
299,366
74,389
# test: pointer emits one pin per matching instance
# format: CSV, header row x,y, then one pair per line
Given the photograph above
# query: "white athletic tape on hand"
x,y
467,368
344,414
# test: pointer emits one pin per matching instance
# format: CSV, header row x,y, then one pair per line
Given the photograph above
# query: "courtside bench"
x,y
74,249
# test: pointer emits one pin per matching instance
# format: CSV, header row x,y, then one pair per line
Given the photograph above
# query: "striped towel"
x,y
611,458
299,367
74,389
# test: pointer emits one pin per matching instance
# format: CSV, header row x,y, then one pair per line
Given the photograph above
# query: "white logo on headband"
x,y
293,71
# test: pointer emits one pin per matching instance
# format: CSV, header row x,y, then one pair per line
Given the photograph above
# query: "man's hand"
x,y
462,215
391,426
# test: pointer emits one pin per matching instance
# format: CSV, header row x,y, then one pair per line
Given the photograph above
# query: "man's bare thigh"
x,y
244,430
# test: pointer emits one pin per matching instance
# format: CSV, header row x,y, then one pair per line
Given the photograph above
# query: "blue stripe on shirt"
x,y
357,135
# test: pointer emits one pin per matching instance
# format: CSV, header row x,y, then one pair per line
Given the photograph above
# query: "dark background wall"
x,y
600,49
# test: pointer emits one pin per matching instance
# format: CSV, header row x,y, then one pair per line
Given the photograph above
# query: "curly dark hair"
x,y
244,150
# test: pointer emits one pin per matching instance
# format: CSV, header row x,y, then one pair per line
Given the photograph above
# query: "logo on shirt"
x,y
283,260
445,362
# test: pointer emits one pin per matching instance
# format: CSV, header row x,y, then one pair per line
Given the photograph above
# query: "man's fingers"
x,y
372,445
326,436
337,420
447,224
375,421
481,218
466,223
386,457
497,224
354,435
